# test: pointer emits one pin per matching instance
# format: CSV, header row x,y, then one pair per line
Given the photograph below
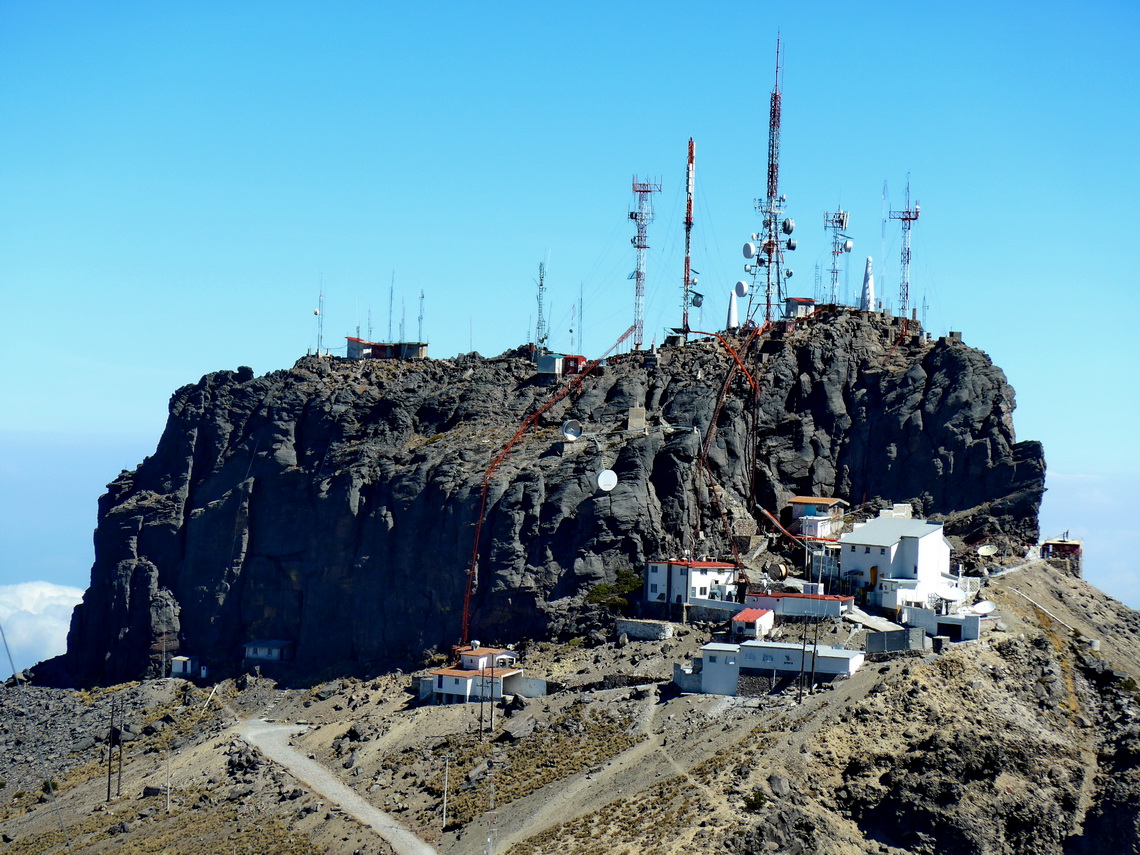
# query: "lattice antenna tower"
x,y
689,281
581,318
907,217
541,334
320,313
391,299
777,229
836,223
643,216
421,327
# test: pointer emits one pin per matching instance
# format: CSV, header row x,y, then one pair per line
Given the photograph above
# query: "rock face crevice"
x,y
334,504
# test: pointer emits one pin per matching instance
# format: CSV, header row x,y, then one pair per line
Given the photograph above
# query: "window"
x,y
767,657
653,568
692,592
731,660
751,657
853,547
704,591
866,550
712,660
653,588
684,571
439,681
882,550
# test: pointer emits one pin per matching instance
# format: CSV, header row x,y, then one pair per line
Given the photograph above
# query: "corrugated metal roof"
x,y
887,531
815,500
837,652
751,614
495,673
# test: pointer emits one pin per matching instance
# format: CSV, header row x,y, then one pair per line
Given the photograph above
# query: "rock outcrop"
x,y
333,505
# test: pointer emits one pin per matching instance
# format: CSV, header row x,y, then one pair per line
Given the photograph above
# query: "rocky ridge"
x,y
333,504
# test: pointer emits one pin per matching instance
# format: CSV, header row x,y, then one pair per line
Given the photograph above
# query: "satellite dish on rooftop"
x,y
741,288
607,480
571,430
985,607
987,550
749,250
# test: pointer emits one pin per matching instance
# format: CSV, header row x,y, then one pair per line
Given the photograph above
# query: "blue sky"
x,y
177,180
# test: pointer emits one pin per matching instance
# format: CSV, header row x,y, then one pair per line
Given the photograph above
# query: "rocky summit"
x,y
334,505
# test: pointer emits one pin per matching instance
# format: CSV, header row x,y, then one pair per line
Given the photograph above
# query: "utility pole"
x,y
447,758
421,329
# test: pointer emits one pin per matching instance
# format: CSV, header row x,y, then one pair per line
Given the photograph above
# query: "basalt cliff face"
x,y
334,505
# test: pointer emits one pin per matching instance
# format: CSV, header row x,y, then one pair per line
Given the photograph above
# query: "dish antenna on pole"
x,y
607,480
571,430
987,550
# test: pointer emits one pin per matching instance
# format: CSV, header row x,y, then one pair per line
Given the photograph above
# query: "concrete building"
x,y
897,561
753,623
816,516
677,582
268,650
358,348
798,307
802,605
720,667
483,673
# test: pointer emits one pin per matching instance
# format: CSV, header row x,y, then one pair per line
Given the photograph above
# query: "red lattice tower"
x,y
687,284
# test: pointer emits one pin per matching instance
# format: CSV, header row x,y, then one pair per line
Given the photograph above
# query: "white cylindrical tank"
x,y
733,321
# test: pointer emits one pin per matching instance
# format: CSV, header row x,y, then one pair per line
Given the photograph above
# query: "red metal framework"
x,y
907,216
528,422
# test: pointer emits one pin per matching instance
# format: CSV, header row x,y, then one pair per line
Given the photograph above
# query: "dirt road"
x,y
273,741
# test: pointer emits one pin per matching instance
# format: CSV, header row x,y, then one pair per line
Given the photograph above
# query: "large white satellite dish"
x,y
987,550
607,480
741,288
749,250
985,607
571,430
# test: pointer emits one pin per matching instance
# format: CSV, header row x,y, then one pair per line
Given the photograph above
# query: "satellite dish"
x,y
571,430
987,550
698,300
607,480
749,250
791,244
788,273
788,226
985,607
741,288
848,245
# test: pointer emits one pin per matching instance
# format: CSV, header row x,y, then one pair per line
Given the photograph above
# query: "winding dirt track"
x,y
273,741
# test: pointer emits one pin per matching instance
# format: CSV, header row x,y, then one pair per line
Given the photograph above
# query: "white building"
x,y
483,673
718,669
817,516
792,604
898,561
684,582
753,623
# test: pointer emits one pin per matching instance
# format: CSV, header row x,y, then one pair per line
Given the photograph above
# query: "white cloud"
x,y
35,616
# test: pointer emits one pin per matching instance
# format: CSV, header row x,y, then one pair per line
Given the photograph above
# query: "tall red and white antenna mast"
x,y
643,216
689,281
769,254
907,216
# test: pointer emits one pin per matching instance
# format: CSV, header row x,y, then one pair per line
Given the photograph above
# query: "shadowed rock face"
x,y
334,504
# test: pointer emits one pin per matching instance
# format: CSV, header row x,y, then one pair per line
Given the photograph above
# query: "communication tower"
x,y
906,216
777,229
320,313
688,281
540,332
421,328
836,223
643,216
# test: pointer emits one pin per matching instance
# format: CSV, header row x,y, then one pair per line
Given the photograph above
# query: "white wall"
x,y
719,672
